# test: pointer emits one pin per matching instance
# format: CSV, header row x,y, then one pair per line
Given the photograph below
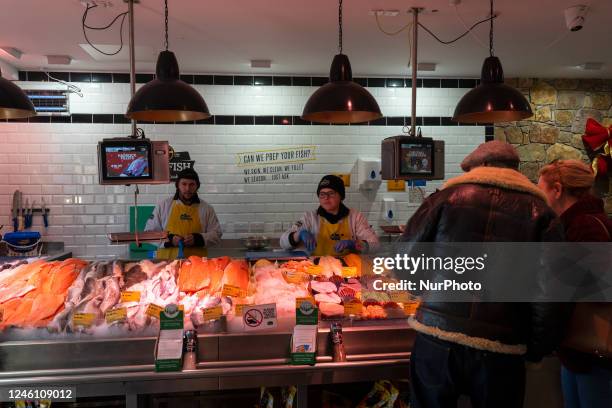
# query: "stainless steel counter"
x,y
230,361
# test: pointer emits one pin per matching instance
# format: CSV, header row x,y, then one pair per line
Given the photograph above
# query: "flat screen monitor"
x,y
412,158
416,158
126,160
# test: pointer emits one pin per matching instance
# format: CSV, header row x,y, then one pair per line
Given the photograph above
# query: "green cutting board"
x,y
144,212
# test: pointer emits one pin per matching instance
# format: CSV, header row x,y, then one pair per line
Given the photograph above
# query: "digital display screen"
x,y
416,158
126,161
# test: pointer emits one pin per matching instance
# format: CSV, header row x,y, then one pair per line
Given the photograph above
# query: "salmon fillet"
x,y
236,273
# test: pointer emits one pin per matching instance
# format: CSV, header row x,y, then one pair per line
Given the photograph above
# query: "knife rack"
x,y
34,210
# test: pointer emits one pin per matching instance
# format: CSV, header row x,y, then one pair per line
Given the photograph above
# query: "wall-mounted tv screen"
x,y
416,158
126,160
412,158
133,161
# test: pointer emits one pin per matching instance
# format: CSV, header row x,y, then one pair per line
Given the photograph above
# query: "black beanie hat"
x,y
188,173
333,182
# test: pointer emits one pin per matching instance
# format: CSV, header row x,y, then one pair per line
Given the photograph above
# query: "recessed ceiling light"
x,y
59,59
591,66
426,66
261,63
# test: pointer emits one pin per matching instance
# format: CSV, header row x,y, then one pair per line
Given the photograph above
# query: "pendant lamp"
x,y
14,103
341,100
492,101
167,98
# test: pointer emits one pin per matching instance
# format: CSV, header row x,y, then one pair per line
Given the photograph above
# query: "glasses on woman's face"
x,y
331,194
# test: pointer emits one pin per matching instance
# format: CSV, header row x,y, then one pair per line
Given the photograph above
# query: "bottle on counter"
x,y
337,341
190,350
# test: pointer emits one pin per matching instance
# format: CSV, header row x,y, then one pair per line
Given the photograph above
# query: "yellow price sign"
x,y
130,296
346,179
232,291
116,315
154,310
349,271
396,185
83,319
399,296
240,308
354,307
315,270
212,313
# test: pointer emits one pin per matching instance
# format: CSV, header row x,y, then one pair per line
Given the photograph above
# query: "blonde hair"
x,y
576,177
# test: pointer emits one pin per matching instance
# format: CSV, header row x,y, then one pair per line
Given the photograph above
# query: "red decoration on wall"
x,y
598,139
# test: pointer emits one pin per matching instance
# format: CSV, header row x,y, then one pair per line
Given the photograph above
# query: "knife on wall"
x,y
15,209
20,219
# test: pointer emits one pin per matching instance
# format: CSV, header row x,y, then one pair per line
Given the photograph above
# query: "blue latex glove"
x,y
344,245
308,239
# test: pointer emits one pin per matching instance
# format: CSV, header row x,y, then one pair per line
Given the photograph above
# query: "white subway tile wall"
x,y
58,162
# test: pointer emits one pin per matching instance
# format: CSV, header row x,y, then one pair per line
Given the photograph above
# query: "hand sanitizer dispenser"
x,y
389,209
368,173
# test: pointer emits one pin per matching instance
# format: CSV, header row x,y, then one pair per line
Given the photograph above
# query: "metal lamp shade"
x,y
167,98
492,101
341,100
14,103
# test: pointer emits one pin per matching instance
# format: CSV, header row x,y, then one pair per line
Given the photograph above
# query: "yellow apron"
x,y
330,235
183,220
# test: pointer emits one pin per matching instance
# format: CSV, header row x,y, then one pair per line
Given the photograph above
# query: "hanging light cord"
x,y
491,31
166,22
85,26
396,32
340,26
462,35
71,88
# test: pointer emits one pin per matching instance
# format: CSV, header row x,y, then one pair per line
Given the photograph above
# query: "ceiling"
x,y
301,37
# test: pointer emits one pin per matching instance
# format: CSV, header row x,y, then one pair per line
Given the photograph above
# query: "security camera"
x,y
574,17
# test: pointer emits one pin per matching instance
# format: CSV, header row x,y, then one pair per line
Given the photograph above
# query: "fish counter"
x,y
94,325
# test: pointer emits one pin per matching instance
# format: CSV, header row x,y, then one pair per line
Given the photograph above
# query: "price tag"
x,y
240,308
232,291
83,319
116,315
315,270
153,310
396,185
399,296
130,296
349,271
354,307
212,313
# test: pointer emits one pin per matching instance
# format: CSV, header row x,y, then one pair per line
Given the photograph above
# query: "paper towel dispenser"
x,y
368,173
412,158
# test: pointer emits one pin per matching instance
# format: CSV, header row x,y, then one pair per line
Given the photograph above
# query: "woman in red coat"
x,y
586,376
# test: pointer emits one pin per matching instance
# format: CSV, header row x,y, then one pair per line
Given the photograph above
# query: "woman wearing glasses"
x,y
333,228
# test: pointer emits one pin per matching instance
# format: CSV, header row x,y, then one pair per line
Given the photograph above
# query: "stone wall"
x,y
561,108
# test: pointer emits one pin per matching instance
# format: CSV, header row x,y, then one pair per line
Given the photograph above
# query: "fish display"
x,y
77,296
